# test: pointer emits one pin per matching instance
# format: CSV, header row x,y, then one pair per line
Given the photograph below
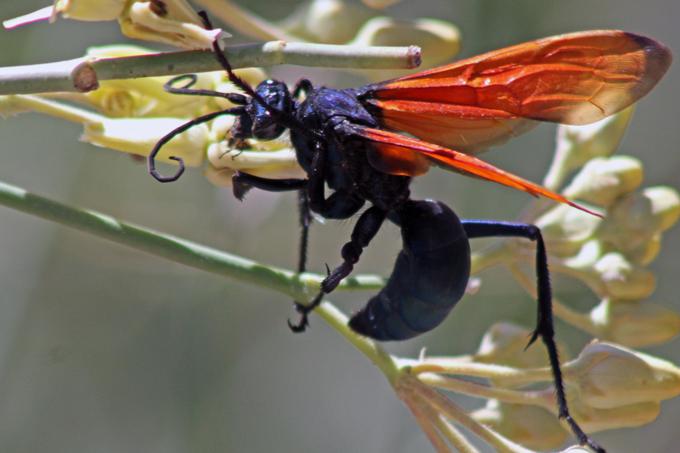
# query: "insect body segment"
x,y
429,276
348,142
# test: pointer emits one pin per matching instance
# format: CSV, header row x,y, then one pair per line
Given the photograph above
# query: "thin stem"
x,y
528,397
448,408
22,102
173,248
84,74
339,321
454,436
427,418
299,287
508,375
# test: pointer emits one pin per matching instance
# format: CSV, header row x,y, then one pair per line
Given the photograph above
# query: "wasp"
x,y
364,145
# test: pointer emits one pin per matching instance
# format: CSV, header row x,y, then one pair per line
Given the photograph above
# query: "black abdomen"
x,y
429,277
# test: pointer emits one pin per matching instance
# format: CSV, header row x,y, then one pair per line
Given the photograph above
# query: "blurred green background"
x,y
103,348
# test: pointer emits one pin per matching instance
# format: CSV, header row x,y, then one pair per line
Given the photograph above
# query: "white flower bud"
x,y
633,220
622,279
610,376
603,180
327,21
440,40
90,10
634,323
576,145
593,419
177,25
530,426
505,343
566,229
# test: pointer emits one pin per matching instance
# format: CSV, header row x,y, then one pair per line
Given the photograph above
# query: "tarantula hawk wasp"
x,y
345,139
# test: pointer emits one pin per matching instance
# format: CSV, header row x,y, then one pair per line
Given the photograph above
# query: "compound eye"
x,y
276,95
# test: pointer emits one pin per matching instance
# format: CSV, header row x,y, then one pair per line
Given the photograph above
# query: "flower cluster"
x,y
610,255
608,385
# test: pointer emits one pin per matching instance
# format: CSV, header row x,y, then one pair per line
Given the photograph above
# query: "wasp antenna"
x,y
151,158
234,98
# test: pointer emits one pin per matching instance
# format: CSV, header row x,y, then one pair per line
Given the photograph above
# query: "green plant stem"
x,y
299,287
173,248
84,74
338,321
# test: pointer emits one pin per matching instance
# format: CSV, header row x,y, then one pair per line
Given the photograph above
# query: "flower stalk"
x,y
84,74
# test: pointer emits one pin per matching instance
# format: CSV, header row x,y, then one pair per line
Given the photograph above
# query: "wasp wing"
x,y
577,78
401,155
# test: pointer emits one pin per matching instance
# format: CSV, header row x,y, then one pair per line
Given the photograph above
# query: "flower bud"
x,y
586,257
610,376
327,21
635,219
139,135
576,145
566,229
144,96
440,40
635,324
622,279
90,10
593,419
177,24
379,4
506,344
531,426
645,253
85,10
603,180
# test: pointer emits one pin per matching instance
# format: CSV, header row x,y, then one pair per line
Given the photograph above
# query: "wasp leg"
x,y
544,323
305,222
340,204
243,182
303,86
366,228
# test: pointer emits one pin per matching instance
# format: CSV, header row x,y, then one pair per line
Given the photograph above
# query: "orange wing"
x,y
400,155
576,78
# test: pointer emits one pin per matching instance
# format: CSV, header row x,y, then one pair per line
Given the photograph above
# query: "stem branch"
x,y
84,74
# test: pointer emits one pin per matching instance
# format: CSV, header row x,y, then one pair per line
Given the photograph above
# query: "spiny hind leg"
x,y
544,323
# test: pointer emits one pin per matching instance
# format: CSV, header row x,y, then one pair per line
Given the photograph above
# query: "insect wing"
x,y
576,78
395,154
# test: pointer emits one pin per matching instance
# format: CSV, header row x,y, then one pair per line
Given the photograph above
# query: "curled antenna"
x,y
170,87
